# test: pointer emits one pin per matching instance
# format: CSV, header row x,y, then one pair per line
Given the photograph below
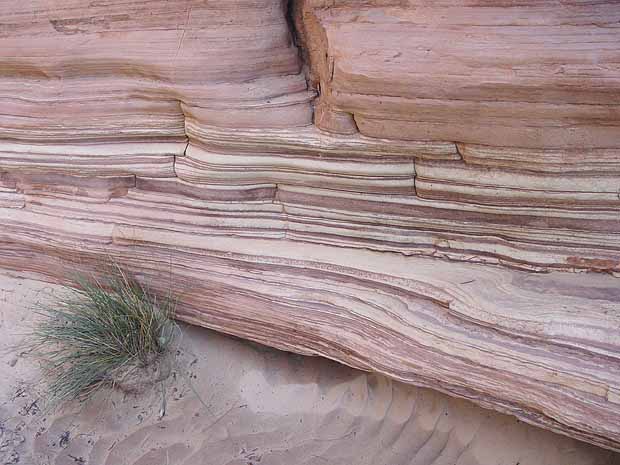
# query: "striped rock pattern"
x,y
262,406
376,182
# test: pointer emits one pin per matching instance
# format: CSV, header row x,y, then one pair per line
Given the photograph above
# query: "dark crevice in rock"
x,y
294,12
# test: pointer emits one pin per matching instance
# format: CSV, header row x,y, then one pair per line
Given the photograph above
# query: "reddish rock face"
x,y
374,182
264,406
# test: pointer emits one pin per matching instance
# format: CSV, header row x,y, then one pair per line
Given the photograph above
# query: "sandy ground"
x,y
251,405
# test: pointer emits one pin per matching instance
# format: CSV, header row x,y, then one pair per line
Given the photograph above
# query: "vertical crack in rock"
x,y
175,156
318,66
413,177
293,14
187,138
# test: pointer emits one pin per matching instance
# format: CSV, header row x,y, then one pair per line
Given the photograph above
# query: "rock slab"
x,y
403,187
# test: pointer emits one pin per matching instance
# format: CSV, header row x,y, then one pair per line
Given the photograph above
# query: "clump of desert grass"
x,y
108,332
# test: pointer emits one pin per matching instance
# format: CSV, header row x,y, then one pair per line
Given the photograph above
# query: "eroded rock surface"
x,y
263,407
374,182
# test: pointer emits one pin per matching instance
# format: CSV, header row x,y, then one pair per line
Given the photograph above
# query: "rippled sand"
x,y
251,405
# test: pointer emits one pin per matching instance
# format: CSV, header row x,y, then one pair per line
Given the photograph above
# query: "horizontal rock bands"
x,y
529,238
179,140
416,319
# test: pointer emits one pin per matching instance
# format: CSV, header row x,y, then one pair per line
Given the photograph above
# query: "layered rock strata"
x,y
262,406
456,148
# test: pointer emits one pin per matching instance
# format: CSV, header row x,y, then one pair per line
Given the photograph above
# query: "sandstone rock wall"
x,y
374,182
263,407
